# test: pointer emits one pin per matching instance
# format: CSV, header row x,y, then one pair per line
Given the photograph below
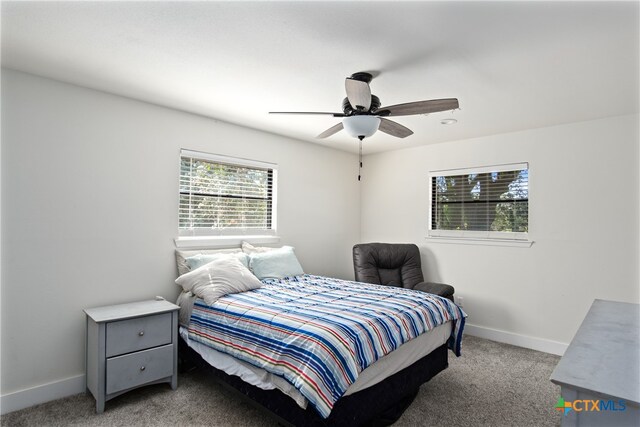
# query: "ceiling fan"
x,y
362,115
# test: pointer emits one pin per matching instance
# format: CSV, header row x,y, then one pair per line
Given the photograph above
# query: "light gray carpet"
x,y
491,384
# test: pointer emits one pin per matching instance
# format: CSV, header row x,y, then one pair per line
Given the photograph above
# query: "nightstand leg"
x,y
174,382
99,406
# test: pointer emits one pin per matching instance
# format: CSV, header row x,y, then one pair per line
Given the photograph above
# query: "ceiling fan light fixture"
x,y
361,126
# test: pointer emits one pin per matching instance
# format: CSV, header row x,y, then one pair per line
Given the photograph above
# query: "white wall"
x,y
583,219
90,211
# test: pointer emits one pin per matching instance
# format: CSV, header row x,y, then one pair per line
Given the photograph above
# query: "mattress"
x,y
394,362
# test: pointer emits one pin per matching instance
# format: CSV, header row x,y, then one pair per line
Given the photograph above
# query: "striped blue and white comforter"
x,y
319,333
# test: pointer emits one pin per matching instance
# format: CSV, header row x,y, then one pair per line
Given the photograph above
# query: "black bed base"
x,y
378,405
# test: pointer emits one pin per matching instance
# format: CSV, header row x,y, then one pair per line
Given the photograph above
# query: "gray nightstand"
x,y
131,345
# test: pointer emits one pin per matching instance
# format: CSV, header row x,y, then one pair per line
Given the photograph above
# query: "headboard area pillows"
x,y
184,266
248,248
275,263
199,260
220,277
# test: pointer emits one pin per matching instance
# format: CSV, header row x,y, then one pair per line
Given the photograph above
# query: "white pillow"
x,y
278,263
248,248
196,261
182,255
219,278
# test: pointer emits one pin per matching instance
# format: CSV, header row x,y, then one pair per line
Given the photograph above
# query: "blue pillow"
x,y
199,260
275,264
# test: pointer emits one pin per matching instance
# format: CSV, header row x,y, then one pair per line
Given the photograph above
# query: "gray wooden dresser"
x,y
129,346
599,374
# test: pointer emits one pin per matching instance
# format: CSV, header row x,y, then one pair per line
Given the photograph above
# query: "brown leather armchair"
x,y
394,264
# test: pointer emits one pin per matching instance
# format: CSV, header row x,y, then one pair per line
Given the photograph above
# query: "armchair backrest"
x,y
394,264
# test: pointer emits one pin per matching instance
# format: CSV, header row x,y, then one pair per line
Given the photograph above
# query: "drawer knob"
x,y
142,368
141,333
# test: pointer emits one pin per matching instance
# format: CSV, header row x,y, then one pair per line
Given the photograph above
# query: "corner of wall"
x,y
1,228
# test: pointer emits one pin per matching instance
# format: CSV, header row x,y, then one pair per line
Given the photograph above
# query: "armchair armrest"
x,y
439,289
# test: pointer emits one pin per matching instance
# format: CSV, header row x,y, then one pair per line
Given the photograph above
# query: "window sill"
x,y
201,242
480,242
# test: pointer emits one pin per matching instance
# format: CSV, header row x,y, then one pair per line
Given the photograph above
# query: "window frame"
x,y
188,237
488,237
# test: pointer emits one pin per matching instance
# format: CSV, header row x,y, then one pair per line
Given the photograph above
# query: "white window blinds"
x,y
226,196
486,202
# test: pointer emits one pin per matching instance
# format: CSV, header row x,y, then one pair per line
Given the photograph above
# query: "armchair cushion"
x,y
395,264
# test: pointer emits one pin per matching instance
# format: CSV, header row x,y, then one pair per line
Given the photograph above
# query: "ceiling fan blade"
x,y
394,129
331,131
419,107
358,93
308,112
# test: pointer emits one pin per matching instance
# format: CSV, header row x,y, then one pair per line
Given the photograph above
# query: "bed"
x,y
315,350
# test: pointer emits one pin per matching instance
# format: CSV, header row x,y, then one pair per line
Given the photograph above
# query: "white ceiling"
x,y
512,65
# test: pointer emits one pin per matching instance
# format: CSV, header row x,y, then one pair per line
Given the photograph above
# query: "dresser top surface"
x,y
130,310
604,355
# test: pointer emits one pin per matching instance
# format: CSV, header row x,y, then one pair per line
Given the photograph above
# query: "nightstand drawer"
x,y
126,336
131,370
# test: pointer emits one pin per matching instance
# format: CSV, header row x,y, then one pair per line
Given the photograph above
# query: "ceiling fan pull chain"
x,y
360,160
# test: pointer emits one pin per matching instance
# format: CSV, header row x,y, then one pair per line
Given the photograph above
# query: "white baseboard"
x,y
539,344
40,394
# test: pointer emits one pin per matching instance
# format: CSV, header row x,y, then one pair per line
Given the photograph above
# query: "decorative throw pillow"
x,y
199,260
278,263
219,278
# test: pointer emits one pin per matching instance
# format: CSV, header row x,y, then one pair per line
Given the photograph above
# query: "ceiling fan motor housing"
x,y
350,111
362,76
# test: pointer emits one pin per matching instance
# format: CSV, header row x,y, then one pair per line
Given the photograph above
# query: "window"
x,y
226,196
488,202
